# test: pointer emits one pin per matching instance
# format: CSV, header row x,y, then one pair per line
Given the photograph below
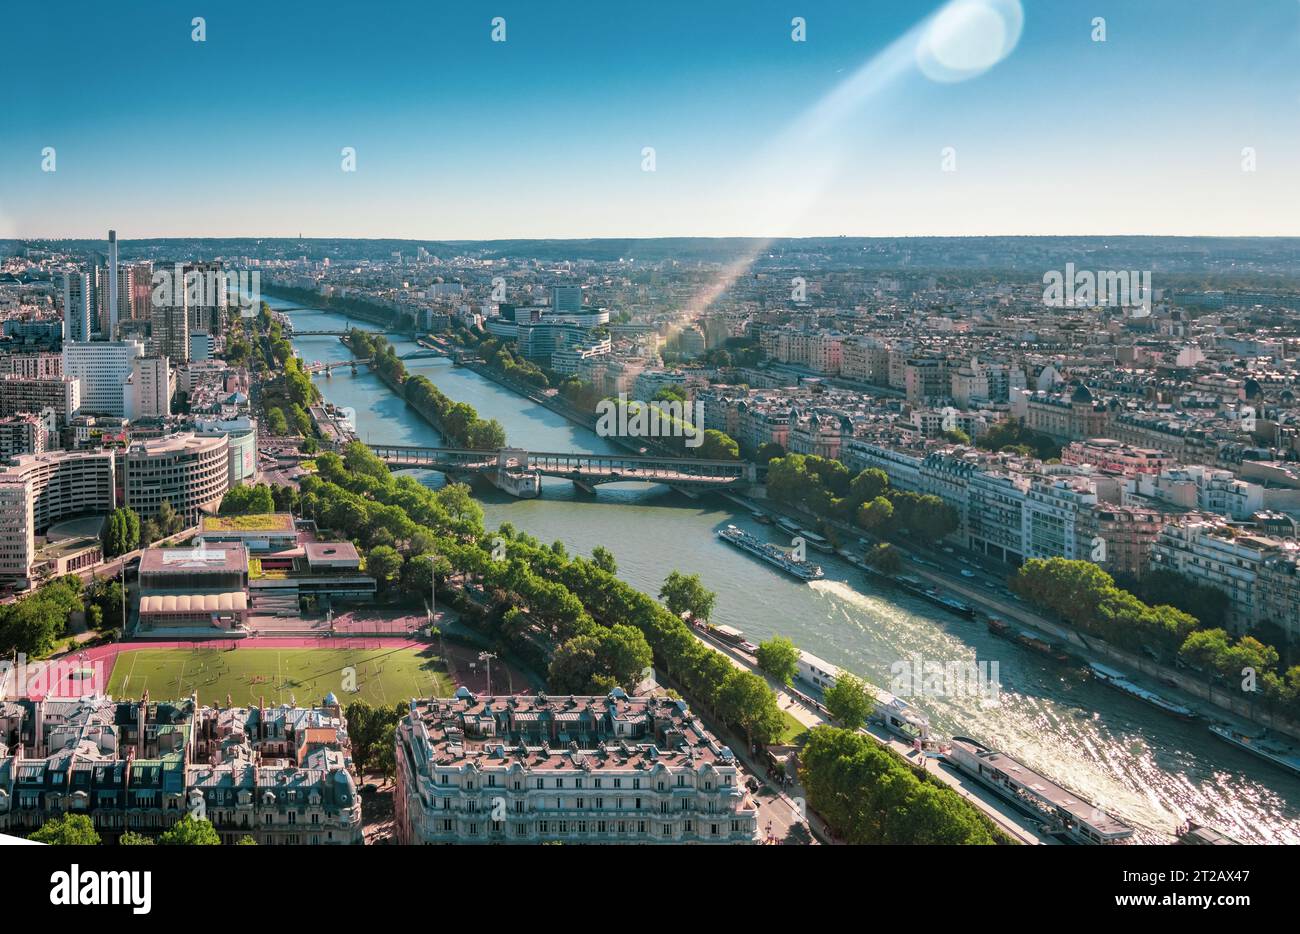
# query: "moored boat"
x,y
787,525
1261,745
816,542
1030,640
1067,814
1109,676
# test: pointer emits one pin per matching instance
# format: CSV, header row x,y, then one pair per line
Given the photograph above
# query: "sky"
x,y
903,118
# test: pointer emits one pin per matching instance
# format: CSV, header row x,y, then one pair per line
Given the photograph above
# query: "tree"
x,y
190,831
246,840
603,558
718,445
169,520
849,700
745,700
248,501
779,657
876,515
767,451
884,558
385,758
383,563
131,838
121,532
149,532
868,794
67,830
276,423
683,593
869,484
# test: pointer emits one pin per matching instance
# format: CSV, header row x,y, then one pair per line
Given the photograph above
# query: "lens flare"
x,y
967,38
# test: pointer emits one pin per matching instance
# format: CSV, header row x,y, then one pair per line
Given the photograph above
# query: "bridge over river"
x,y
519,472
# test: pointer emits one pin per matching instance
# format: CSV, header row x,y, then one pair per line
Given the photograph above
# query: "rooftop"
x,y
567,732
260,522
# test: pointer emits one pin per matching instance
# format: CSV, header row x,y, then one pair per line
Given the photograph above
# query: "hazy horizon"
x,y
955,118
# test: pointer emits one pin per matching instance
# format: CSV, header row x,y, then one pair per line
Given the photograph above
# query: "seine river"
x,y
1151,770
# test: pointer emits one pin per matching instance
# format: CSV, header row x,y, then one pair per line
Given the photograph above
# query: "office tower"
x,y
566,298
103,368
78,300
108,322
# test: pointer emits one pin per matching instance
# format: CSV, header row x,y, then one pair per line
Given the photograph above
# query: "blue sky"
x,y
542,136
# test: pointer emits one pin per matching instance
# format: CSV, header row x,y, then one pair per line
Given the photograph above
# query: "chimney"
x,y
37,709
140,716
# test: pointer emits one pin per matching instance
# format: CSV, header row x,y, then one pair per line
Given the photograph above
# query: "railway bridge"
x,y
519,472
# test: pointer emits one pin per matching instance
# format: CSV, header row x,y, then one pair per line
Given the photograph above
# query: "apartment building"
x,y
1074,419
1051,517
35,394
1129,533
1116,457
1210,551
38,490
190,471
22,434
607,770
281,774
149,389
33,365
995,516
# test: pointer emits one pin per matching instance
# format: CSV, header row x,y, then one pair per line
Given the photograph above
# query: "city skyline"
x,y
846,133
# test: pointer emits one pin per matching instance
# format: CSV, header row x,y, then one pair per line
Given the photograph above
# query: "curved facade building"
x,y
192,472
37,490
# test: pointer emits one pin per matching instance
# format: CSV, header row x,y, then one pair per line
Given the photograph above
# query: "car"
x,y
967,572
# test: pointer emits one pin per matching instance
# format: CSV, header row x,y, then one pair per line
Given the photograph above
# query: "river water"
x,y
1148,769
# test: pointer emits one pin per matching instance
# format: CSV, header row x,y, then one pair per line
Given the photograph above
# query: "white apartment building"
x,y
149,389
1209,551
600,770
189,471
103,368
1051,514
1195,487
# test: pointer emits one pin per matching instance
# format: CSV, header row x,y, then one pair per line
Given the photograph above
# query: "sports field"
x,y
375,675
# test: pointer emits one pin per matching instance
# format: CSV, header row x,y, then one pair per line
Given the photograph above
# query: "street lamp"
x,y
433,589
487,657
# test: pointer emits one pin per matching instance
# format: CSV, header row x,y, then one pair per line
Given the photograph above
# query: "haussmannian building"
x,y
575,769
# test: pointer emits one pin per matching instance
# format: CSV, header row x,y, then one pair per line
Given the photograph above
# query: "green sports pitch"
x,y
281,676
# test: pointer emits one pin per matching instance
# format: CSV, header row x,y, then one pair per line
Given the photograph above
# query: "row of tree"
x,y
1085,596
79,830
457,422
825,488
121,532
868,795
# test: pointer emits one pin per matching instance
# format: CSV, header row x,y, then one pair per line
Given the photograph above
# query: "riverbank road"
x,y
1020,827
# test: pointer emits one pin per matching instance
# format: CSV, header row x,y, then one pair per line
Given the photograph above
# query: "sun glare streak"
x,y
960,40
